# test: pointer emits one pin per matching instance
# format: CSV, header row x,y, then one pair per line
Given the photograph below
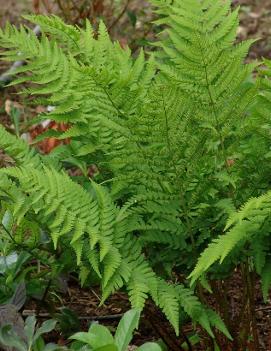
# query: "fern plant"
x,y
170,134
250,224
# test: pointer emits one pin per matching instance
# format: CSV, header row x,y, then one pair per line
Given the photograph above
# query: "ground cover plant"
x,y
180,140
97,338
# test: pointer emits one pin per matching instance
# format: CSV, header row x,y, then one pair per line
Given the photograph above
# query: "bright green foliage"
x,y
95,228
200,46
18,149
250,226
171,136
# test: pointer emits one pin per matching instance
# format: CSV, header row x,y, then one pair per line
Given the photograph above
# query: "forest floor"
x,y
255,23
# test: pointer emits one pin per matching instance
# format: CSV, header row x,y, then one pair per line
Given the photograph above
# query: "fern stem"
x,y
251,297
243,322
222,301
188,343
167,126
154,321
204,301
213,106
25,248
183,203
41,302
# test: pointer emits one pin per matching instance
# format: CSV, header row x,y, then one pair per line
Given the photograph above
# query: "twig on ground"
x,y
119,16
41,315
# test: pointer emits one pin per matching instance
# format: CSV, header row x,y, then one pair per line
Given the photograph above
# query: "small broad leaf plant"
x,y
98,338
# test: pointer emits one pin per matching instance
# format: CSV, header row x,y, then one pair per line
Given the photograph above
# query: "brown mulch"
x,y
154,326
255,23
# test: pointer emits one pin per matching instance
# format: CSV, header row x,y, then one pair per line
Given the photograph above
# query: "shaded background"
x,y
130,20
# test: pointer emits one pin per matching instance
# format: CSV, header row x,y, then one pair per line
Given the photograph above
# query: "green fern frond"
x,y
189,302
18,149
205,63
118,280
67,204
14,40
244,225
111,263
106,220
55,26
138,287
57,192
165,296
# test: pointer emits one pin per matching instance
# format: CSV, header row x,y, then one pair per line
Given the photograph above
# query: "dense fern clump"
x,y
171,136
249,226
